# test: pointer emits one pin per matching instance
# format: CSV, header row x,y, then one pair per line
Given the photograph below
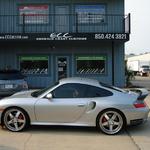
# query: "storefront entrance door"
x,y
61,67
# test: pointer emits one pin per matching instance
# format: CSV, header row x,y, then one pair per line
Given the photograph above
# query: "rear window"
x,y
97,92
112,87
10,75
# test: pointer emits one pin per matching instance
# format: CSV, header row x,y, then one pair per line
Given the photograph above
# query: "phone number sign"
x,y
65,37
112,36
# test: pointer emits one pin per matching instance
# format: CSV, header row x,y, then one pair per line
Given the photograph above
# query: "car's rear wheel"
x,y
15,119
110,122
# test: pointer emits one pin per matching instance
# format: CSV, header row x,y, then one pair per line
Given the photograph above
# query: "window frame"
x,y
92,55
92,4
35,55
35,4
100,88
86,90
69,97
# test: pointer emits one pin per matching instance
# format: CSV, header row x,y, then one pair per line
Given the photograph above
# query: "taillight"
x,y
139,105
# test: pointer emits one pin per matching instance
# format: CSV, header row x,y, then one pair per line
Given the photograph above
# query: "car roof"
x,y
79,80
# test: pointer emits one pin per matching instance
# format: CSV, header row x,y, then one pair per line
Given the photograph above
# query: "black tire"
x,y
15,119
110,121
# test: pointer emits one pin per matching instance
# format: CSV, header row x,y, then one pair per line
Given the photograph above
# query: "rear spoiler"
x,y
142,92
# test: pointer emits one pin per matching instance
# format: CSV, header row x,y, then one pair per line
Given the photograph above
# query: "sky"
x,y
140,26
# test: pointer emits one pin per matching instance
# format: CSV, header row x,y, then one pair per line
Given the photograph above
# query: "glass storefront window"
x,y
90,13
34,65
91,64
34,14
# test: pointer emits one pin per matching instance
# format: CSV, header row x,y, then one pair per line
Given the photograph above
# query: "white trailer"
x,y
139,66
133,65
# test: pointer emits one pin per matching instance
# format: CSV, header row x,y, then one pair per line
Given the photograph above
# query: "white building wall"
x,y
143,57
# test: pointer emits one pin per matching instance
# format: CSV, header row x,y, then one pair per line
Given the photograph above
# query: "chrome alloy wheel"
x,y
111,122
15,119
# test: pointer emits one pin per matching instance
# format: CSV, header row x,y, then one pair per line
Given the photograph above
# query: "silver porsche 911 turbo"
x,y
75,102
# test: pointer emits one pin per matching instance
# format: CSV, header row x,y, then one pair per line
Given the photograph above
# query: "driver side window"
x,y
70,90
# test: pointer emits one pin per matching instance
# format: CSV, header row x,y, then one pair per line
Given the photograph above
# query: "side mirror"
x,y
49,96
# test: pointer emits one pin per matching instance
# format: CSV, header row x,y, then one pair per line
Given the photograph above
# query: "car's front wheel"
x,y
110,122
15,119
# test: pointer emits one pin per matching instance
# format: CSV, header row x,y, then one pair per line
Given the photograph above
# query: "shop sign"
x,y
111,36
13,37
64,37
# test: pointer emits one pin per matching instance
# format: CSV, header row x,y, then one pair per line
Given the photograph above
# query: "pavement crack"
x,y
26,142
133,141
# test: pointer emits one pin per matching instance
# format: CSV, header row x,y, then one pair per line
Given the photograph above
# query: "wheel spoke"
x,y
116,123
16,125
106,116
110,127
17,114
114,117
21,121
11,115
105,123
10,122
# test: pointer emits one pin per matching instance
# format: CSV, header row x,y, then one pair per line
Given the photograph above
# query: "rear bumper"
x,y
137,116
137,122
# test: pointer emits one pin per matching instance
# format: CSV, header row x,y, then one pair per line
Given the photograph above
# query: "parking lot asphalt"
x,y
55,138
63,138
141,82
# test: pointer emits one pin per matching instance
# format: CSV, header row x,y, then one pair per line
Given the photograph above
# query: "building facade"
x,y
48,40
140,57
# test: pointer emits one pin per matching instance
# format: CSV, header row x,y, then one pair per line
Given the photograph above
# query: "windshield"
x,y
42,91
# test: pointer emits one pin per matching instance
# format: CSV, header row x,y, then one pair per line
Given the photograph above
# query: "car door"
x,y
67,105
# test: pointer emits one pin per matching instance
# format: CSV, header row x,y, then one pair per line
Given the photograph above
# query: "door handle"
x,y
81,105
